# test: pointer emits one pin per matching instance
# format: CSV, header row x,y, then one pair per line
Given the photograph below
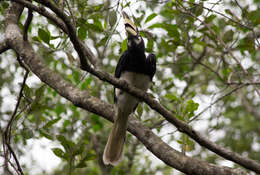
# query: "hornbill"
x,y
138,70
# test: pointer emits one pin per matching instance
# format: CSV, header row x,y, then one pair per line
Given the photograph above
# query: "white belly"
x,y
125,101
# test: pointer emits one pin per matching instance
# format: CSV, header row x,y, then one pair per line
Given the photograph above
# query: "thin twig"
x,y
7,132
71,13
27,24
216,101
223,45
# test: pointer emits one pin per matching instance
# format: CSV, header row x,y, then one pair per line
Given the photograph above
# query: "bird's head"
x,y
134,39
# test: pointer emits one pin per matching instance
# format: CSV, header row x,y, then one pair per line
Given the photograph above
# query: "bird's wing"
x,y
120,67
151,64
121,64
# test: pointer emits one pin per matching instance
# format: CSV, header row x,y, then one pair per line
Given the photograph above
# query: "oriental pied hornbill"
x,y
138,70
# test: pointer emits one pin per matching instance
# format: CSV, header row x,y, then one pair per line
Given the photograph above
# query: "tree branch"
x,y
66,26
27,24
181,126
82,99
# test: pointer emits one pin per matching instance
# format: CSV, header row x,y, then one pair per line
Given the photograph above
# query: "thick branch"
x,y
84,100
181,126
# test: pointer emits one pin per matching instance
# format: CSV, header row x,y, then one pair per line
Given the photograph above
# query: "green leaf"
x,y
59,109
150,17
36,38
82,33
76,76
112,18
45,134
96,26
246,43
124,45
171,97
90,156
67,144
149,47
190,107
228,36
139,110
66,123
51,122
27,91
39,93
254,16
86,83
44,36
228,11
97,124
27,133
58,152
210,18
81,164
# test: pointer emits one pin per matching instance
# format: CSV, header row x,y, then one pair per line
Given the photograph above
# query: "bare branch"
x,y
27,24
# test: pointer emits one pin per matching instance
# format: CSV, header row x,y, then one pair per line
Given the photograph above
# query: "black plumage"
x,y
135,61
138,70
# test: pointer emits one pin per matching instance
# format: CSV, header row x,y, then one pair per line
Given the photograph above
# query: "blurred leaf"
x,y
97,124
171,97
81,164
150,17
95,27
39,93
67,144
124,45
228,11
190,108
45,134
44,35
246,44
27,133
76,76
59,109
228,36
139,110
86,83
112,18
58,152
82,33
51,122
210,18
254,16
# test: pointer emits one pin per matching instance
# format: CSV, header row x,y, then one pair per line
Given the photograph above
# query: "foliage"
x,y
207,56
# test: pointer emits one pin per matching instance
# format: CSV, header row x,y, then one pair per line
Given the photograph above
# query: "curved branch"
x,y
67,27
180,125
82,99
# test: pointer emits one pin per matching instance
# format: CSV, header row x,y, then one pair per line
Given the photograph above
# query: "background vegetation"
x,y
207,75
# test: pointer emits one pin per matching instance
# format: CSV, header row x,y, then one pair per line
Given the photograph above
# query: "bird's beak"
x,y
131,29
